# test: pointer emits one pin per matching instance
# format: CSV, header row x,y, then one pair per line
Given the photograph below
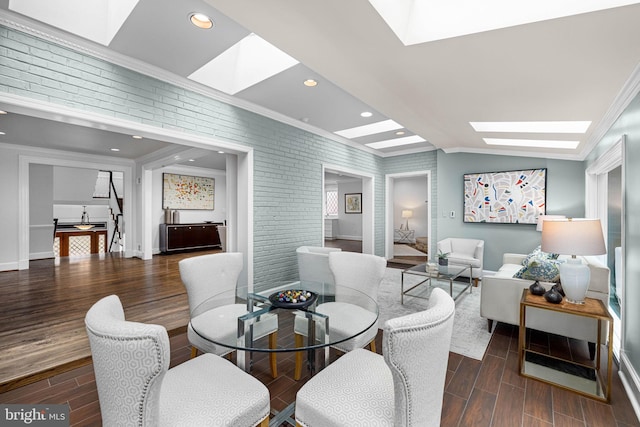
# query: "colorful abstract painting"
x,y
187,192
511,197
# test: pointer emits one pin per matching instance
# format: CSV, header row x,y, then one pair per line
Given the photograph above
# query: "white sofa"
x,y
501,293
313,264
464,251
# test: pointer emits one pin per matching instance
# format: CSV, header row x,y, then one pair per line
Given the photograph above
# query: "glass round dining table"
x,y
241,318
238,318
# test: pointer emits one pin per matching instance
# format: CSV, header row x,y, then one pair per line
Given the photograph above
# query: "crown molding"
x,y
622,100
495,152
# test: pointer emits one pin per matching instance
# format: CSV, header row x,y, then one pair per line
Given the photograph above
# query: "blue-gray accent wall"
x,y
565,195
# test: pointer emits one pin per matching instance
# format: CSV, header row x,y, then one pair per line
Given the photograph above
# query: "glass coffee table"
x,y
431,279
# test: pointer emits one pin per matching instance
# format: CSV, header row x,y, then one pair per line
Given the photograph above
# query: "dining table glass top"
x,y
246,312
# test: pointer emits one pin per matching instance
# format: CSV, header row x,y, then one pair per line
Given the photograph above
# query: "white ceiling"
x,y
571,68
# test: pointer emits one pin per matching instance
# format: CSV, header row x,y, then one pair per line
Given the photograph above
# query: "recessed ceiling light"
x,y
413,139
532,127
400,132
370,129
536,143
220,152
3,112
2,133
115,149
136,137
310,83
201,20
191,160
366,114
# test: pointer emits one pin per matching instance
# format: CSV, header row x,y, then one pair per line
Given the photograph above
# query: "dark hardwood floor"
x,y
44,354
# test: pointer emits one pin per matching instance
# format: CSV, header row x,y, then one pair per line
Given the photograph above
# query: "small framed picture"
x,y
353,203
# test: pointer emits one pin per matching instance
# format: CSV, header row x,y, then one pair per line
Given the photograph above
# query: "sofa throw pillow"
x,y
545,270
538,254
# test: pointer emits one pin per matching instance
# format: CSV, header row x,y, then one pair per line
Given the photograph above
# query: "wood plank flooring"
x,y
43,310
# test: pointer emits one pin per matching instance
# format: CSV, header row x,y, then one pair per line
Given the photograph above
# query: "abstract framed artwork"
x,y
187,192
353,203
508,197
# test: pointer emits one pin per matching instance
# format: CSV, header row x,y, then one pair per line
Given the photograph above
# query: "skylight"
x,y
532,127
97,20
532,143
413,139
244,64
420,21
370,129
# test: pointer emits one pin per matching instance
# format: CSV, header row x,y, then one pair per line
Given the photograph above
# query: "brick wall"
x,y
287,168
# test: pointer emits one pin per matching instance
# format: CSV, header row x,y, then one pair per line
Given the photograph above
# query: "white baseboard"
x,y
41,255
8,266
631,382
345,237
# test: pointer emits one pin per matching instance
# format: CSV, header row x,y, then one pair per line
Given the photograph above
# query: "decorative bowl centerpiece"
x,y
293,298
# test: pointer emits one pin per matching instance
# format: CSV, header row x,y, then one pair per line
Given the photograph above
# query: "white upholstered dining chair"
x,y
362,272
404,387
313,263
205,276
137,388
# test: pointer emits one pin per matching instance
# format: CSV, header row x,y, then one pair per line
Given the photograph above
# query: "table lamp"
x,y
407,213
573,237
543,218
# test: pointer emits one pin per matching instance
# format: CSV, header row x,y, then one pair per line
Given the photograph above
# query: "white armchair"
x,y
403,388
313,263
464,251
137,388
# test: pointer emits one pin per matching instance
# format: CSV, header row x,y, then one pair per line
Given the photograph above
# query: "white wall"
x,y
9,208
40,211
411,193
350,225
218,214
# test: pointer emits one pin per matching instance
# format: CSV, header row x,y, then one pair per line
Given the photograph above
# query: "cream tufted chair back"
x,y
416,349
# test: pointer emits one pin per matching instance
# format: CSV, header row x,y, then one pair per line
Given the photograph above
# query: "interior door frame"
x,y
137,178
368,203
596,206
389,204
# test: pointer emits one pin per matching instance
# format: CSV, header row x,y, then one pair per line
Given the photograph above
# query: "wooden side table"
x,y
583,379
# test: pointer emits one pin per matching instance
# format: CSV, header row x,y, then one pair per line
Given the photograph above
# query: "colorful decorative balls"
x,y
293,296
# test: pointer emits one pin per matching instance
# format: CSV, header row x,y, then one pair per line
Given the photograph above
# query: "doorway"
x,y
349,227
604,196
408,213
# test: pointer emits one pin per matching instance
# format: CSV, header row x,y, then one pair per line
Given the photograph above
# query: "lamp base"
x,y
574,277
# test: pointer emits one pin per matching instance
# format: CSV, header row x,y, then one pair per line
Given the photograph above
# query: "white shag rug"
x,y
470,336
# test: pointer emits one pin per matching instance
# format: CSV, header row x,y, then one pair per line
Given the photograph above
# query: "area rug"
x,y
406,250
470,336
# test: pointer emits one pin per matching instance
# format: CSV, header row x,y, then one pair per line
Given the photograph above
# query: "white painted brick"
x,y
287,169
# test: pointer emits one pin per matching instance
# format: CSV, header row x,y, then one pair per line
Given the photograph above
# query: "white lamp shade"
x,y
574,237
407,213
543,218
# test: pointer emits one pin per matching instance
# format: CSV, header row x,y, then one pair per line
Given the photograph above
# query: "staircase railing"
x,y
115,202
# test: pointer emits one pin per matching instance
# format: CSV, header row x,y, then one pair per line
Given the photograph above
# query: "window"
x,y
332,202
